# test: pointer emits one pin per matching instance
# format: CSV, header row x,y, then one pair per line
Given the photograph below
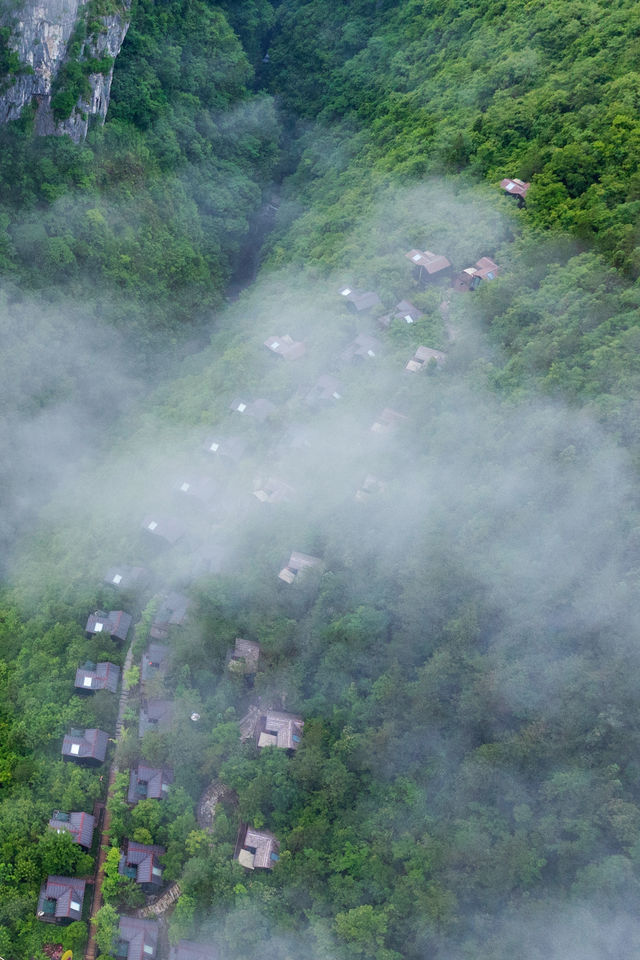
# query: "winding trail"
x,y
91,951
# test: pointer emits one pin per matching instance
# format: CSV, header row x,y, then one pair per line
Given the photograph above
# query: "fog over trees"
x,y
376,528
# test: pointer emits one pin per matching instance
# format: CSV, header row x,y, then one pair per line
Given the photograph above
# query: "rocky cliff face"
x,y
49,34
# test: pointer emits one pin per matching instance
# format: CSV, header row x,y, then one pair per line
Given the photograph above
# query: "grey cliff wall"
x,y
41,31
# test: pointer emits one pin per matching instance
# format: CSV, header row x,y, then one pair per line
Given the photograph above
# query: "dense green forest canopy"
x,y
464,657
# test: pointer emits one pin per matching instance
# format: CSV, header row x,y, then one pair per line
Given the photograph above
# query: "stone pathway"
x,y
91,951
161,905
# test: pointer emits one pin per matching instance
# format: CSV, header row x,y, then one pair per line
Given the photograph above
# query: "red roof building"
x,y
148,783
86,747
97,676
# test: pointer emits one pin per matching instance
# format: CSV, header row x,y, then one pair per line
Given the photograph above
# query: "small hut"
x,y
85,747
428,266
256,849
97,676
244,657
358,301
140,862
471,277
285,346
278,729
148,783
78,825
425,357
61,900
298,562
516,188
115,623
387,421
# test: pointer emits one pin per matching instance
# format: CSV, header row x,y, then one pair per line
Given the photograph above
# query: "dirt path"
x,y
209,800
91,951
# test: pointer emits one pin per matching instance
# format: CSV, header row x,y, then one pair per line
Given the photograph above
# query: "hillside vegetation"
x,y
464,656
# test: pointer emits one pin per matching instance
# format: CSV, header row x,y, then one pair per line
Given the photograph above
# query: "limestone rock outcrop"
x,y
49,34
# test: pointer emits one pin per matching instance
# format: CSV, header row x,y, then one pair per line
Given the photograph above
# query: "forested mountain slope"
x,y
464,653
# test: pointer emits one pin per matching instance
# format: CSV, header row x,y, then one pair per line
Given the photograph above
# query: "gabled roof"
x,y
189,950
116,623
363,347
232,447
258,409
431,262
370,484
140,936
79,825
285,346
404,310
423,356
164,528
278,729
244,657
387,420
155,660
200,489
83,744
155,715
326,388
256,848
125,577
68,894
143,858
298,562
271,490
515,187
149,783
360,300
172,613
98,676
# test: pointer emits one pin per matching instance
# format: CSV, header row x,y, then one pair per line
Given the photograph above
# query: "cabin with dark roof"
x,y
202,491
259,409
189,950
428,266
362,348
297,563
426,357
85,747
370,485
115,623
148,783
271,490
155,715
97,676
79,826
285,346
155,661
357,300
233,447
325,390
471,277
127,578
387,421
173,612
61,900
243,659
165,529
516,188
278,729
139,862
137,939
404,311
256,849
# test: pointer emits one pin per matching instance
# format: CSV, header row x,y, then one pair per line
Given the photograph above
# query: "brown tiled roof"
x,y
256,848
431,262
515,187
360,300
